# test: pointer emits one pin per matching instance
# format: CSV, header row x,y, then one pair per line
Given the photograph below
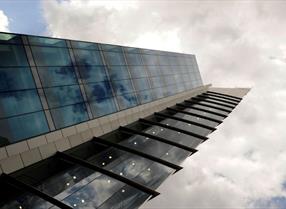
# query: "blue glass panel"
x,y
102,106
87,57
57,76
63,95
96,91
122,86
131,50
25,126
156,82
34,40
51,56
118,72
145,96
126,101
141,84
69,115
109,47
114,58
84,45
15,103
158,93
150,59
133,59
10,38
15,79
138,71
12,56
93,74
154,70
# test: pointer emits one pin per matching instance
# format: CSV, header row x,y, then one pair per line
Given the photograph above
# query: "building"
x,y
90,125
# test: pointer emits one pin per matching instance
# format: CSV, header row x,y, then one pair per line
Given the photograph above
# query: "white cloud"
x,y
236,44
4,22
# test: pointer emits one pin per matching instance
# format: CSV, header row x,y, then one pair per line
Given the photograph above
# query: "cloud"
x,y
236,44
4,22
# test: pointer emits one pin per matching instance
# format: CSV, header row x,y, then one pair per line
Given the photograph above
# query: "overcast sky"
x,y
237,44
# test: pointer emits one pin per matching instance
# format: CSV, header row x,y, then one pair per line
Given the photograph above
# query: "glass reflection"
x,y
126,101
19,102
57,76
91,74
44,41
87,57
21,127
12,56
102,106
69,115
51,56
63,95
16,79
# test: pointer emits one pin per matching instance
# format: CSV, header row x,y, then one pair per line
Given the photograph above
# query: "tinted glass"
x,y
84,45
69,115
43,41
118,72
64,95
20,102
114,58
15,79
93,74
24,126
12,56
51,56
96,91
10,38
57,76
87,57
102,106
126,101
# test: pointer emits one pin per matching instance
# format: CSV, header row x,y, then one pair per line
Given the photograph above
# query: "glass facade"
x,y
74,81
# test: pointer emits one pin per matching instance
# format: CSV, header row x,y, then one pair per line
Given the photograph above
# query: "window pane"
x,y
145,96
15,79
154,70
84,45
102,106
10,38
25,126
12,55
87,57
51,56
114,58
69,115
137,71
122,87
34,40
150,59
133,59
126,101
109,47
57,76
156,82
141,84
93,74
98,90
15,103
64,95
118,72
158,93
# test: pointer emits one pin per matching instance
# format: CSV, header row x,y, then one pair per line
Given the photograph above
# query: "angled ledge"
x,y
157,138
86,164
207,105
136,152
193,114
25,187
226,95
200,109
149,122
162,115
218,100
222,97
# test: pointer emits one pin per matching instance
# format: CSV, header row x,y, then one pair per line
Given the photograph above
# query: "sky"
x,y
237,44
